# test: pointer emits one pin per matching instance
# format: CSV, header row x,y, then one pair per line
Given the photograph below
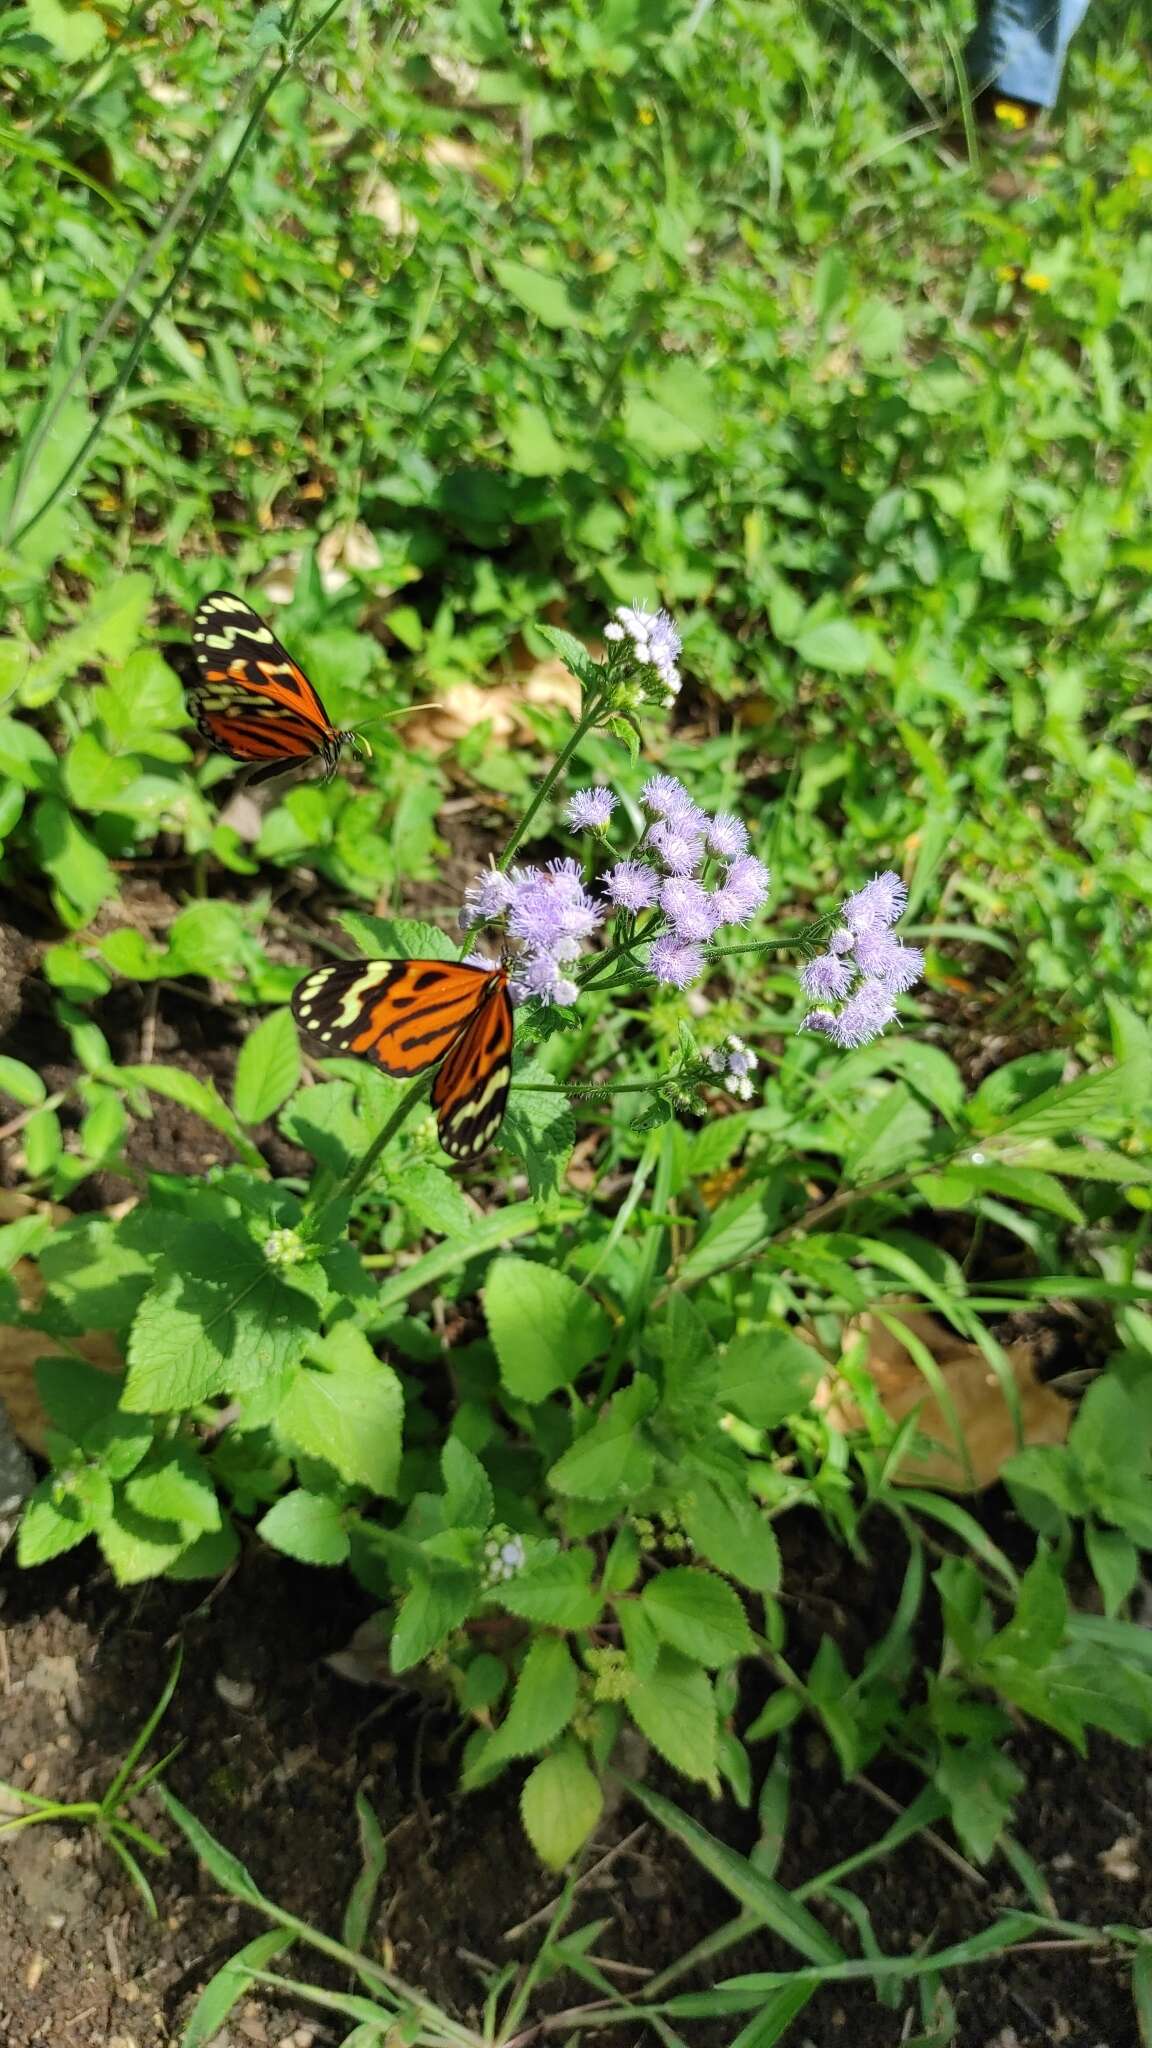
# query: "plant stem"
x,y
587,720
347,1191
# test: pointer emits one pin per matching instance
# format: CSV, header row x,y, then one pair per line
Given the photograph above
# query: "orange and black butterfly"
x,y
249,698
405,1015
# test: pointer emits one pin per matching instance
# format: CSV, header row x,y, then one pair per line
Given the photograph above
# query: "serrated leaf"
x,y
468,1500
544,1328
397,938
174,1486
306,1526
560,1806
539,1128
136,1546
430,1610
732,1232
52,1522
268,1068
433,1199
698,1614
675,1708
219,1318
542,1704
346,1406
558,1592
611,1461
733,1532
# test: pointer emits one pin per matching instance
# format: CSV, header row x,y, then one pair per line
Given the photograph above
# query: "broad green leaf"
x,y
541,294
544,1328
1115,1562
433,1199
732,1232
173,1485
559,1592
52,1522
837,645
429,1612
542,1704
22,1083
1036,1630
956,1186
768,1374
80,871
138,1547
698,1614
980,1785
201,1097
611,1461
468,1502
676,1709
43,1142
306,1526
560,1806
218,1318
539,1127
268,1068
346,1406
73,32
733,1532
398,938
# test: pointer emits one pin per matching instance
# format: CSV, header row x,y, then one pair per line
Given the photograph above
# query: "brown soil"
x,y
275,1745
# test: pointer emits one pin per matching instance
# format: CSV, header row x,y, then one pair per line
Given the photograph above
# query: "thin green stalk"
x,y
216,200
346,1192
587,720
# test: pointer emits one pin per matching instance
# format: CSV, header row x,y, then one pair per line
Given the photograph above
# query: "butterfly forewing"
x,y
470,1093
249,698
403,1014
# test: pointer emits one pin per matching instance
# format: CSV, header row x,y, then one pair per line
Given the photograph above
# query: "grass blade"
x,y
230,1983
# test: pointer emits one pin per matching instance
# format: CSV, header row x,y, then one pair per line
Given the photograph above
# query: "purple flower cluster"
x,y
548,912
680,845
655,643
865,968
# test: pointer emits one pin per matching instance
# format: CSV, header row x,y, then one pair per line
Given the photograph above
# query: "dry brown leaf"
x,y
464,705
984,1417
20,1349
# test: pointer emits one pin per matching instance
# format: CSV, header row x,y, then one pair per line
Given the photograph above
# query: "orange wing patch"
x,y
406,1016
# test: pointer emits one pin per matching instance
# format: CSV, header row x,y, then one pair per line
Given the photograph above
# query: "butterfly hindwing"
x,y
402,1014
248,697
470,1093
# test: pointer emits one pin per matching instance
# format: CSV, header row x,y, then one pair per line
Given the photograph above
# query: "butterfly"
x,y
405,1015
248,697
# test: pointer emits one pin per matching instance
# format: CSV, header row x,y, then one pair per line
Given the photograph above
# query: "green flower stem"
x,y
592,978
346,1191
588,718
586,1088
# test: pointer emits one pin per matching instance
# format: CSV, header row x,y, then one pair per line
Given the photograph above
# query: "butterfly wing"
x,y
470,1093
249,698
402,1014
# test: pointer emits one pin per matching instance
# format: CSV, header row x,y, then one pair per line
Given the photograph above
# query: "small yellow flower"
x,y
1036,281
1010,114
1007,273
242,447
647,116
346,268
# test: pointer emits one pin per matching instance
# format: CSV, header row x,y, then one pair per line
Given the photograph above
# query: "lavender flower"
x,y
690,909
680,849
675,961
742,892
655,643
865,967
488,896
540,976
727,835
664,795
551,909
630,885
590,810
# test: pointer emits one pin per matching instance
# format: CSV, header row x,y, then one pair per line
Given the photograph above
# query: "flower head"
x,y
488,896
865,968
655,643
503,1554
630,885
727,835
679,847
675,961
664,795
742,892
689,908
590,810
732,1062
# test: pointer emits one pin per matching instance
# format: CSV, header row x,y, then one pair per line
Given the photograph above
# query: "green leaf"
x,y
611,1461
397,938
894,1133
468,1502
1115,1562
268,1069
980,1786
82,876
542,1704
558,1592
201,1097
209,1556
429,1612
73,32
173,1485
772,1906
533,446
544,1328
546,297
733,1231
1036,1630
306,1526
733,1532
218,1318
1106,1436
136,1546
560,1805
20,1082
229,1985
433,1199
675,1708
698,1614
539,1128
43,1143
961,1184
768,1374
219,1862
838,646
346,1406
53,1521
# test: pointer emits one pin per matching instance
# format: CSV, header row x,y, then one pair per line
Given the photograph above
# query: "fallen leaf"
x,y
21,1349
1121,1861
985,1420
464,705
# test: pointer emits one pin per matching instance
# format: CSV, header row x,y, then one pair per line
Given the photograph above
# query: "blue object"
x,y
1018,47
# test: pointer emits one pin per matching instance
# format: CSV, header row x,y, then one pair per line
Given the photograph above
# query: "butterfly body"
x,y
250,699
408,1015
